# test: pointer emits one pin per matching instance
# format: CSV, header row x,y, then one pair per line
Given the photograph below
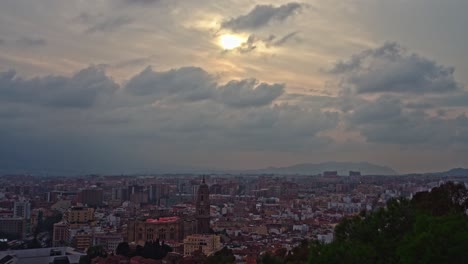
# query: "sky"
x,y
121,86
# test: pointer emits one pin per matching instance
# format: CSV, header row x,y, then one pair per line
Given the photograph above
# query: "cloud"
x,y
390,69
390,96
81,90
253,41
188,83
2,42
386,121
284,39
191,84
383,109
106,25
261,16
31,42
247,93
155,116
249,45
141,2
134,62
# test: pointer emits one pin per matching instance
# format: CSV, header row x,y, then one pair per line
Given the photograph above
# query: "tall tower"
x,y
203,208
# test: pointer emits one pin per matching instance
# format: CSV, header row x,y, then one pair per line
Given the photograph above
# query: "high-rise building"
x,y
134,189
22,209
202,213
91,197
156,192
61,235
15,226
82,240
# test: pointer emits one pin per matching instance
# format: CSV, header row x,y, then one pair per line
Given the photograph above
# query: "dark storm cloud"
x,y
261,16
31,42
390,69
81,90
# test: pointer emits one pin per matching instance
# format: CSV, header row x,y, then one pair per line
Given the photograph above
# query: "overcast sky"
x,y
133,85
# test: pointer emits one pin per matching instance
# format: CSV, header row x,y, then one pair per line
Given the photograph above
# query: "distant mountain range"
x,y
343,168
451,172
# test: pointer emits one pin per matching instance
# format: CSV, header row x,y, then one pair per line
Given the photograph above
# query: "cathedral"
x,y
202,213
174,228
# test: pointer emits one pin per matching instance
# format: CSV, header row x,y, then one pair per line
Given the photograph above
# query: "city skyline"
x,y
121,85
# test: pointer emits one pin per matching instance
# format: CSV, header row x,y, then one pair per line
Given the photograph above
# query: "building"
x,y
82,240
15,226
163,228
108,241
79,215
134,189
202,213
330,174
156,192
139,198
22,209
91,197
208,244
61,234
41,256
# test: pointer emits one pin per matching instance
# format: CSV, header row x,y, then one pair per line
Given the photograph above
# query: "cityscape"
x,y
233,132
194,216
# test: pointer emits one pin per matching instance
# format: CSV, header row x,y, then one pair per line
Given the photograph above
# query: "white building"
x,y
22,209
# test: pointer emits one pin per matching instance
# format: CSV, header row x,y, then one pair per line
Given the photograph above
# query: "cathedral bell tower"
x,y
203,208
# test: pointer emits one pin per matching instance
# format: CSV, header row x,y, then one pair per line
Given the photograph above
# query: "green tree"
x,y
299,254
268,258
93,252
431,228
342,253
224,255
448,198
436,240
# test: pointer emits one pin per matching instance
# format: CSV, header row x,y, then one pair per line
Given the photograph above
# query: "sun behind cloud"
x,y
229,41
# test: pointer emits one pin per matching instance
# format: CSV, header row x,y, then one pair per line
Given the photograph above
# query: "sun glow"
x,y
229,42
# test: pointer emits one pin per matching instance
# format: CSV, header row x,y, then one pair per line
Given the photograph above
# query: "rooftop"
x,y
163,220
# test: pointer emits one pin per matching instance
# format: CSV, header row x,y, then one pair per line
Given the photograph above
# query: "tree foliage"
x,y
430,228
224,255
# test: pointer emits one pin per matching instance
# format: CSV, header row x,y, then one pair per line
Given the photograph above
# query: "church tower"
x,y
203,208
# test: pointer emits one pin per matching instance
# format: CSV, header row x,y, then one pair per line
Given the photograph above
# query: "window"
x,y
149,234
172,234
162,233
